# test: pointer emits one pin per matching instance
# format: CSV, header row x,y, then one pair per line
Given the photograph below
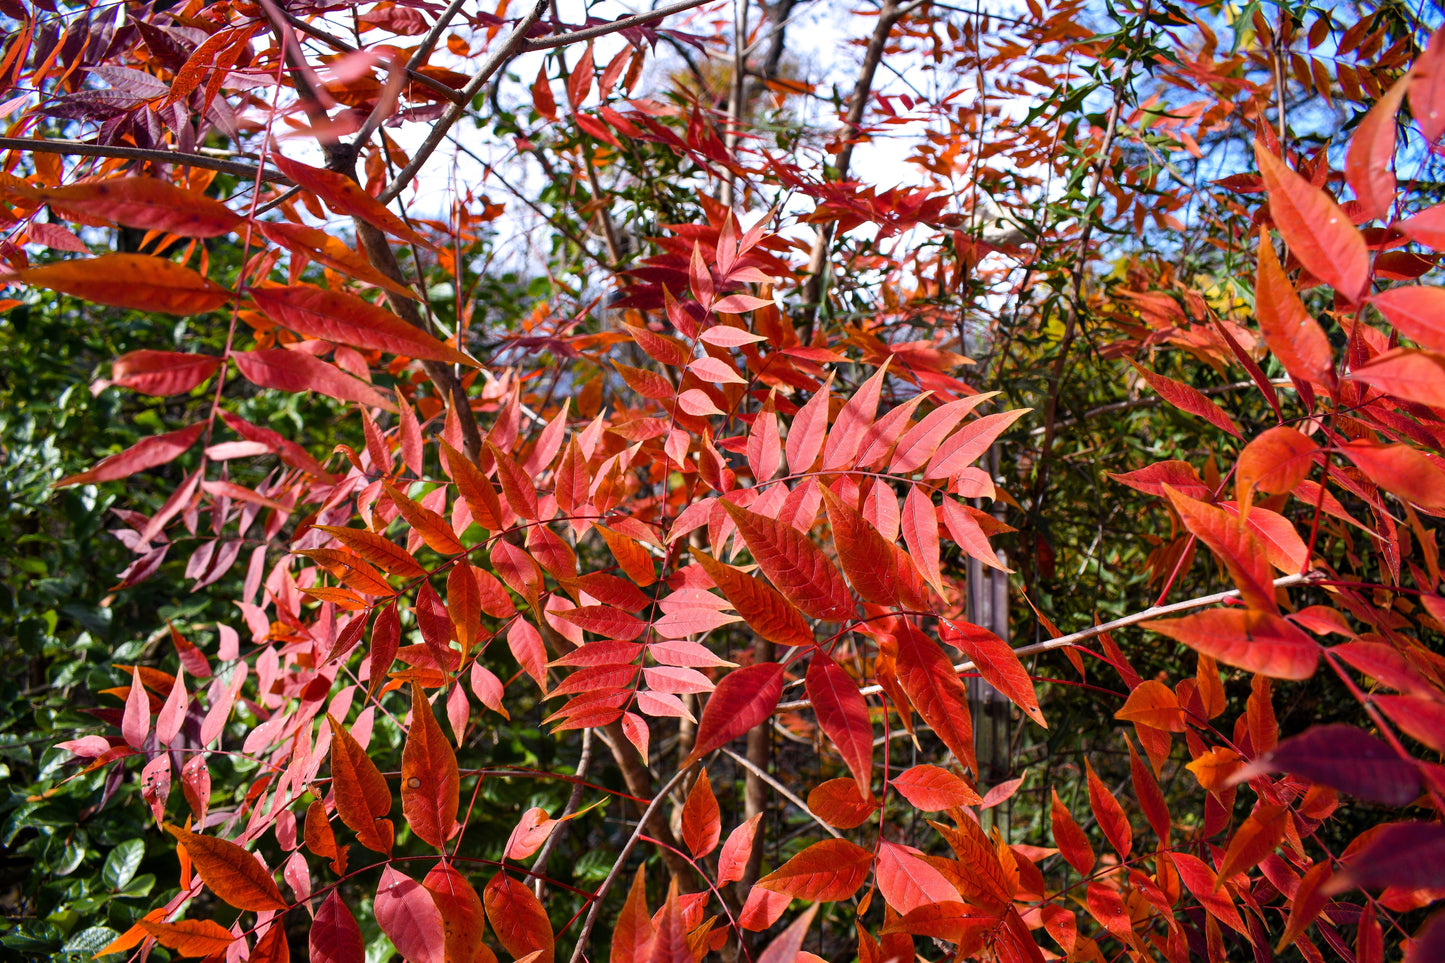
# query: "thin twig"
x,y
443,124
1062,641
782,790
603,29
573,801
78,148
581,948
336,43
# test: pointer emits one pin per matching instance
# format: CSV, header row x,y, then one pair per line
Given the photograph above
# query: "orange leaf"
x,y
932,789
908,881
343,318
1247,638
1153,704
462,915
346,197
1314,227
1232,543
432,528
878,569
272,948
190,937
136,281
518,919
233,874
1417,311
147,203
1406,373
1296,339
633,932
839,804
796,566
362,796
324,249
376,549
429,780
765,610
1275,461
701,818
1070,839
1257,837
824,872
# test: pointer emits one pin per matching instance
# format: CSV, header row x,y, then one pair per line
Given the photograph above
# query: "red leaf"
x,y
1109,814
146,453
732,860
936,691
297,372
670,942
162,372
1406,855
579,81
786,947
805,434
907,881
362,796
1199,880
1296,339
996,662
1344,758
335,937
796,566
542,100
346,197
765,610
518,919
1421,718
1151,798
1408,374
135,720
409,917
701,818
1314,227
1247,638
744,698
343,318
972,440
932,789
147,203
230,872
1372,149
1190,400
920,443
429,780
1070,839
136,281
825,872
324,249
852,422
272,948
843,715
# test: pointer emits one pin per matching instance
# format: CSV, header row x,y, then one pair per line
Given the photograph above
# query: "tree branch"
x,y
1062,641
336,43
603,29
78,148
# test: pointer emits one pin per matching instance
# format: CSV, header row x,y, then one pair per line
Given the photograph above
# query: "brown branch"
x,y
813,288
508,47
603,29
77,148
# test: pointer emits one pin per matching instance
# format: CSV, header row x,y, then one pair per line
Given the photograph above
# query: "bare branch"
x,y
603,29
78,148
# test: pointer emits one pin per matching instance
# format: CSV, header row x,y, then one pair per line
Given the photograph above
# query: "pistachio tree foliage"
x,y
1015,544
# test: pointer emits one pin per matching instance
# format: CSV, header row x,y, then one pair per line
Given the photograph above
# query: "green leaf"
x,y
121,864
